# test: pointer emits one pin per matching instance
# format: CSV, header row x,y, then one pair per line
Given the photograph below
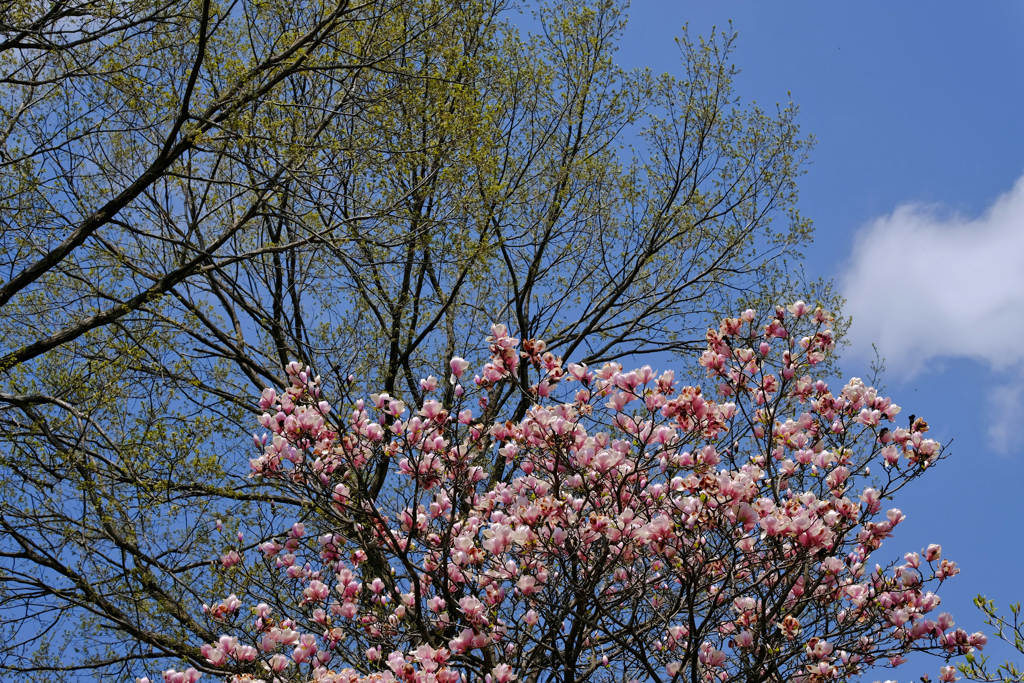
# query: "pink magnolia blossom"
x,y
187,676
502,674
458,366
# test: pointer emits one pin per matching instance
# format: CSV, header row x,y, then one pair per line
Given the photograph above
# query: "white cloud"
x,y
922,285
1006,409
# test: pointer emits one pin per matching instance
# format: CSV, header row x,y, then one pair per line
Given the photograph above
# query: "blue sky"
x,y
918,108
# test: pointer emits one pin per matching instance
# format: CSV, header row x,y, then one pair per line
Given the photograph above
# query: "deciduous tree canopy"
x,y
194,194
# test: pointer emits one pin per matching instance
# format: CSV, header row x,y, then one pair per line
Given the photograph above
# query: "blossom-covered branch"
x,y
639,530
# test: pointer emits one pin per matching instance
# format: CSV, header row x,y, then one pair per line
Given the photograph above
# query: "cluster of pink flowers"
x,y
625,523
190,675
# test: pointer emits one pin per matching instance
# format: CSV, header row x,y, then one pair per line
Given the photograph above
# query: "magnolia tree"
x,y
627,529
